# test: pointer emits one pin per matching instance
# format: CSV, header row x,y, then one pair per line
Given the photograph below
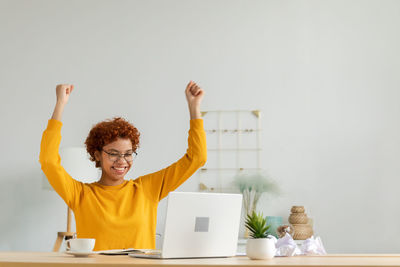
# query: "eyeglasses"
x,y
114,156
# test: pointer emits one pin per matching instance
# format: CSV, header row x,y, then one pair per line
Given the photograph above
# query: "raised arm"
x,y
157,185
49,157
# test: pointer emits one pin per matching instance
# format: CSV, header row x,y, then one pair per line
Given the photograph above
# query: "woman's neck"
x,y
104,180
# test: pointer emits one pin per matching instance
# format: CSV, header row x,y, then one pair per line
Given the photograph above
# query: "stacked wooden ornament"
x,y
300,223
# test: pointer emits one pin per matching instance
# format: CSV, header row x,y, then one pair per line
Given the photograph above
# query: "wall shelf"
x,y
233,141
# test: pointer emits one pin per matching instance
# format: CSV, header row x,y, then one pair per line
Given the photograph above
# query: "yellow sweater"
x,y
122,216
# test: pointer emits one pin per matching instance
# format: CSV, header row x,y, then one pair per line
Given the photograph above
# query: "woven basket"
x,y
302,231
298,218
297,209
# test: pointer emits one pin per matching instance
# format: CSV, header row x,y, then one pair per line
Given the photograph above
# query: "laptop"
x,y
199,225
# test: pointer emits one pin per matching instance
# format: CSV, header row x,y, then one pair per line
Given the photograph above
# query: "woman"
x,y
119,213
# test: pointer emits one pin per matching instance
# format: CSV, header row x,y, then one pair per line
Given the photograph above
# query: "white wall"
x,y
324,73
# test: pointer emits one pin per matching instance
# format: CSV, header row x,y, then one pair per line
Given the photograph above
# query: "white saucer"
x,y
79,253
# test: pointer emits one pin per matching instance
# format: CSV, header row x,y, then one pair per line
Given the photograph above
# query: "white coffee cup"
x,y
80,244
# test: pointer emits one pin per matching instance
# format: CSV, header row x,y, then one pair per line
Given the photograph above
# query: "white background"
x,y
324,73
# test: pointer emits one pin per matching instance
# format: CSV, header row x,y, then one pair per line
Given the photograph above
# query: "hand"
x,y
63,91
194,95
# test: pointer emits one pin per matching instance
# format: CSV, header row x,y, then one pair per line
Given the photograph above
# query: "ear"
x,y
97,155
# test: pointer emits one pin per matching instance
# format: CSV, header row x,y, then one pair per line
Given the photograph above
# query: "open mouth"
x,y
119,170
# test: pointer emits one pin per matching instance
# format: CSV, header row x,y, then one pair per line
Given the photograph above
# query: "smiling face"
x,y
114,167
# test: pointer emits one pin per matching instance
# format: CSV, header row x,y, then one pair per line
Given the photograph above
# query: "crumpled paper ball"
x,y
313,246
286,246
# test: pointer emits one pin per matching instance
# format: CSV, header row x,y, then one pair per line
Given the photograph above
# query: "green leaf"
x,y
257,225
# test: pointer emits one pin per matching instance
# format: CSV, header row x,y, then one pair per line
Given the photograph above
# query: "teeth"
x,y
119,169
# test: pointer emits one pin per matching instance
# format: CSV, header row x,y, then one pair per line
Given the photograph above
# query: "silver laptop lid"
x,y
201,225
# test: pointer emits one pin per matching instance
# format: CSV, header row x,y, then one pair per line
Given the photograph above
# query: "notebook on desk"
x,y
122,251
199,225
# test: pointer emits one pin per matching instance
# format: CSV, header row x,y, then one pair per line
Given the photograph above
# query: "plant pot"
x,y
260,248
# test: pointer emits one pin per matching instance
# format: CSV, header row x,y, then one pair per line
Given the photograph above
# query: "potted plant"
x,y
259,246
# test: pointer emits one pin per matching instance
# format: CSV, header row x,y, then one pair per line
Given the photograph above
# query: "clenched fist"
x,y
63,91
194,94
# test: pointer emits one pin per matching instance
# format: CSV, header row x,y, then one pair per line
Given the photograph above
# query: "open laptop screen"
x,y
201,225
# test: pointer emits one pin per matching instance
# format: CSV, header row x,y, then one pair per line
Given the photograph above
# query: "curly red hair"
x,y
108,131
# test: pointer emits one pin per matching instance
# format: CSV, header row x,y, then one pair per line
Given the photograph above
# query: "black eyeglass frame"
x,y
121,155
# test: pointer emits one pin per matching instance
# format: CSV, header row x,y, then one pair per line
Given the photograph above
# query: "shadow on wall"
x,y
31,216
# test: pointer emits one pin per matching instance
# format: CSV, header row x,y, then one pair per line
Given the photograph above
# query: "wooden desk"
x,y
60,259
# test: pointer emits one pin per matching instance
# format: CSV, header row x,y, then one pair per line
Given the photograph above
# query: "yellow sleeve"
x,y
157,185
68,188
